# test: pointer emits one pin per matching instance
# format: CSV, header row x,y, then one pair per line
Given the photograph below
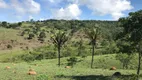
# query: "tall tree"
x,y
4,24
133,31
92,35
59,38
19,24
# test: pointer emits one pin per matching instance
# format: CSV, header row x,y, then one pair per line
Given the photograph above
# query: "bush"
x,y
31,36
124,59
50,55
9,46
125,46
45,52
67,52
111,49
41,37
72,61
27,31
23,33
28,57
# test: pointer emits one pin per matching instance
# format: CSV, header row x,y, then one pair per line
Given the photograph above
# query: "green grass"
x,y
9,34
7,55
81,70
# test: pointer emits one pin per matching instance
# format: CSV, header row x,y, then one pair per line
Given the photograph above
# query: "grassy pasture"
x,y
81,71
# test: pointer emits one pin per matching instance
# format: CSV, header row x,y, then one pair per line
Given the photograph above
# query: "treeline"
x,y
10,25
61,24
109,27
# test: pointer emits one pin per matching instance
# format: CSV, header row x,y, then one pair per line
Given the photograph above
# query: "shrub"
x,y
67,52
31,36
28,57
9,46
41,37
12,59
72,61
27,31
39,57
50,55
45,52
111,49
23,33
124,59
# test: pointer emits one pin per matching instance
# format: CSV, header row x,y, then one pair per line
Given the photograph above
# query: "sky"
x,y
23,10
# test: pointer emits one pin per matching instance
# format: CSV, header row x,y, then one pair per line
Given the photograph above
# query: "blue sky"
x,y
22,10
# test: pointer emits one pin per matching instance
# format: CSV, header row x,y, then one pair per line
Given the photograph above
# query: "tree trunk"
x,y
93,47
139,64
59,56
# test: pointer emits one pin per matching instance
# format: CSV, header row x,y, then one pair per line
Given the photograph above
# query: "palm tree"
x,y
92,35
59,38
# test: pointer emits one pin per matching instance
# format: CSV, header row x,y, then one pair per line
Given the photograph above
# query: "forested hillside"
x,y
32,34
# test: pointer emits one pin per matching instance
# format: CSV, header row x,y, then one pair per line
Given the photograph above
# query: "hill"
x,y
14,37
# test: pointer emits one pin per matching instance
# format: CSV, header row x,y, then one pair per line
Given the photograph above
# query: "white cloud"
x,y
41,19
16,5
26,6
72,11
32,6
18,16
3,4
114,8
30,17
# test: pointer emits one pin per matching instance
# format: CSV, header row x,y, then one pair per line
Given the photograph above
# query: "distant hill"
x,y
10,33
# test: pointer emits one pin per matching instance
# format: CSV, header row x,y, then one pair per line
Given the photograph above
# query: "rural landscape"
x,y
71,49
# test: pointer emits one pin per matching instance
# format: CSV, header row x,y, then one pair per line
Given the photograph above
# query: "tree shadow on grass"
x,y
98,77
86,77
91,77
